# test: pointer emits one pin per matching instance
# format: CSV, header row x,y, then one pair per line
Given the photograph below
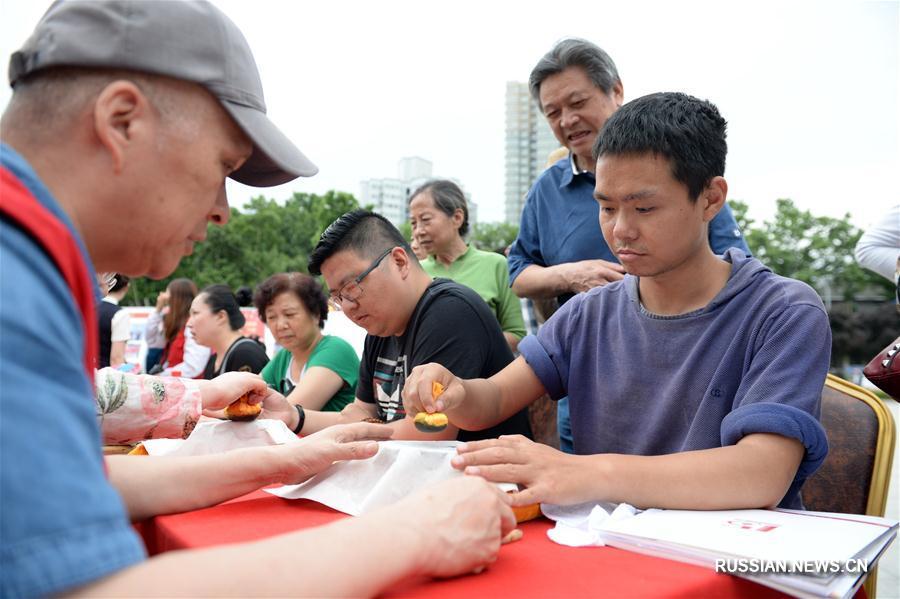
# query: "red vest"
x,y
22,209
174,352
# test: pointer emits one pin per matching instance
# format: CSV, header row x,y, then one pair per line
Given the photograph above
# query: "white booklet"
x,y
805,554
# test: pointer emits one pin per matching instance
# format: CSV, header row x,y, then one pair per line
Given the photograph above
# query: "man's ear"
x,y
121,116
713,197
617,93
401,259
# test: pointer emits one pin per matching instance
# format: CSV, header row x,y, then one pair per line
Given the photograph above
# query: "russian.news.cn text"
x,y
813,567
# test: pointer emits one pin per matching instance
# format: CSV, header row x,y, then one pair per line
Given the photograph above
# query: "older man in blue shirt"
x,y
560,251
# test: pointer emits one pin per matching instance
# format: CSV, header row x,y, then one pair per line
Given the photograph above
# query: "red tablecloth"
x,y
532,567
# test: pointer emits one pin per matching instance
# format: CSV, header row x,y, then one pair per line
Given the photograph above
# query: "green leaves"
x,y
818,250
493,236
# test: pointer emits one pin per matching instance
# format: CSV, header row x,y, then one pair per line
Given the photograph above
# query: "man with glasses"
x,y
410,320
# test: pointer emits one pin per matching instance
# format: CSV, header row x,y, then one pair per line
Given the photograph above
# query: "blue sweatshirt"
x,y
753,360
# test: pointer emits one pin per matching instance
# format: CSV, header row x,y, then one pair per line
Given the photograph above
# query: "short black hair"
x,y
361,231
120,283
244,296
219,298
687,131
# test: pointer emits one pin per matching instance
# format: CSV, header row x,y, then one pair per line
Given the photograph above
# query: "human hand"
x,y
417,391
275,406
460,524
587,274
226,388
162,299
298,462
547,475
353,412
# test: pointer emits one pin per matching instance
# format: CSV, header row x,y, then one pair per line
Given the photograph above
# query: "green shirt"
x,y
332,353
486,273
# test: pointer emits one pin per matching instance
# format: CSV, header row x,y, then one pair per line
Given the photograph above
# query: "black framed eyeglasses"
x,y
351,291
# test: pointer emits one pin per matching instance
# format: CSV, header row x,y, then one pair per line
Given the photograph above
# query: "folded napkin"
x,y
581,525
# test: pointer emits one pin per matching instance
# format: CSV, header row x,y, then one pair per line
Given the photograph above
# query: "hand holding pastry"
x,y
420,393
242,411
436,421
228,387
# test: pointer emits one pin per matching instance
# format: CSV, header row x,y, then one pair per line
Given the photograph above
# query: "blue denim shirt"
x,y
62,524
561,223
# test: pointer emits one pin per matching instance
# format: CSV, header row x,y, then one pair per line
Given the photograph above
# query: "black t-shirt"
x,y
452,326
244,355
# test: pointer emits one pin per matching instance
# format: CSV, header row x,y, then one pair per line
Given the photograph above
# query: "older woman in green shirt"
x,y
316,373
439,217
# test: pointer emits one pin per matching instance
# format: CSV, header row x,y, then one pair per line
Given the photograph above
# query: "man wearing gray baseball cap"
x,y
126,118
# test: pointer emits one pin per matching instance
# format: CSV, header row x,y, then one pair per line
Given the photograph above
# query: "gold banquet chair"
x,y
854,477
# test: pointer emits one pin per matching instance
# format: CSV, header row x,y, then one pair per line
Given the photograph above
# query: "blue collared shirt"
x,y
62,524
561,223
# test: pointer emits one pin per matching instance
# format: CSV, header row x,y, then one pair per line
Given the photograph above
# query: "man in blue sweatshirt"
x,y
695,381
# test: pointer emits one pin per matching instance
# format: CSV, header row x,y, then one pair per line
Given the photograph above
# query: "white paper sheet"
x,y
397,470
223,435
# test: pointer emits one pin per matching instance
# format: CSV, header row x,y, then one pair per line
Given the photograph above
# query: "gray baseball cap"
x,y
185,39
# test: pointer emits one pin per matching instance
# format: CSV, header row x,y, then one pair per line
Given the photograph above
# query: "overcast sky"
x,y
810,90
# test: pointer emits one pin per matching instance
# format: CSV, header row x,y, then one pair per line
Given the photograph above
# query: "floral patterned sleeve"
x,y
134,407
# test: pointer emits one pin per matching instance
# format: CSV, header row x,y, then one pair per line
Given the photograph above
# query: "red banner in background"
x,y
254,327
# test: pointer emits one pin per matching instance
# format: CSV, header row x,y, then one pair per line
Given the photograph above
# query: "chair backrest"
x,y
854,477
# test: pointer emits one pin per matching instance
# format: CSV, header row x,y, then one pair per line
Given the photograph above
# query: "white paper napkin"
x,y
398,469
223,435
581,525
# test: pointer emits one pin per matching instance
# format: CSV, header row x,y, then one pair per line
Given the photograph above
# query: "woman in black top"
x,y
216,322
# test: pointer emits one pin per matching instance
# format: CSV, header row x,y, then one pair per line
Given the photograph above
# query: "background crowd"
x,y
628,232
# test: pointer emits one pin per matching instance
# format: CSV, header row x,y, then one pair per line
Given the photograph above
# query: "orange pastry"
x,y
242,411
436,421
524,513
138,449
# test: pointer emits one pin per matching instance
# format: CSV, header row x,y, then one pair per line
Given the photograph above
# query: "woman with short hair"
x,y
316,372
439,216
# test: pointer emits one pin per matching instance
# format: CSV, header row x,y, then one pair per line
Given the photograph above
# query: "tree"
x,y
493,236
818,250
